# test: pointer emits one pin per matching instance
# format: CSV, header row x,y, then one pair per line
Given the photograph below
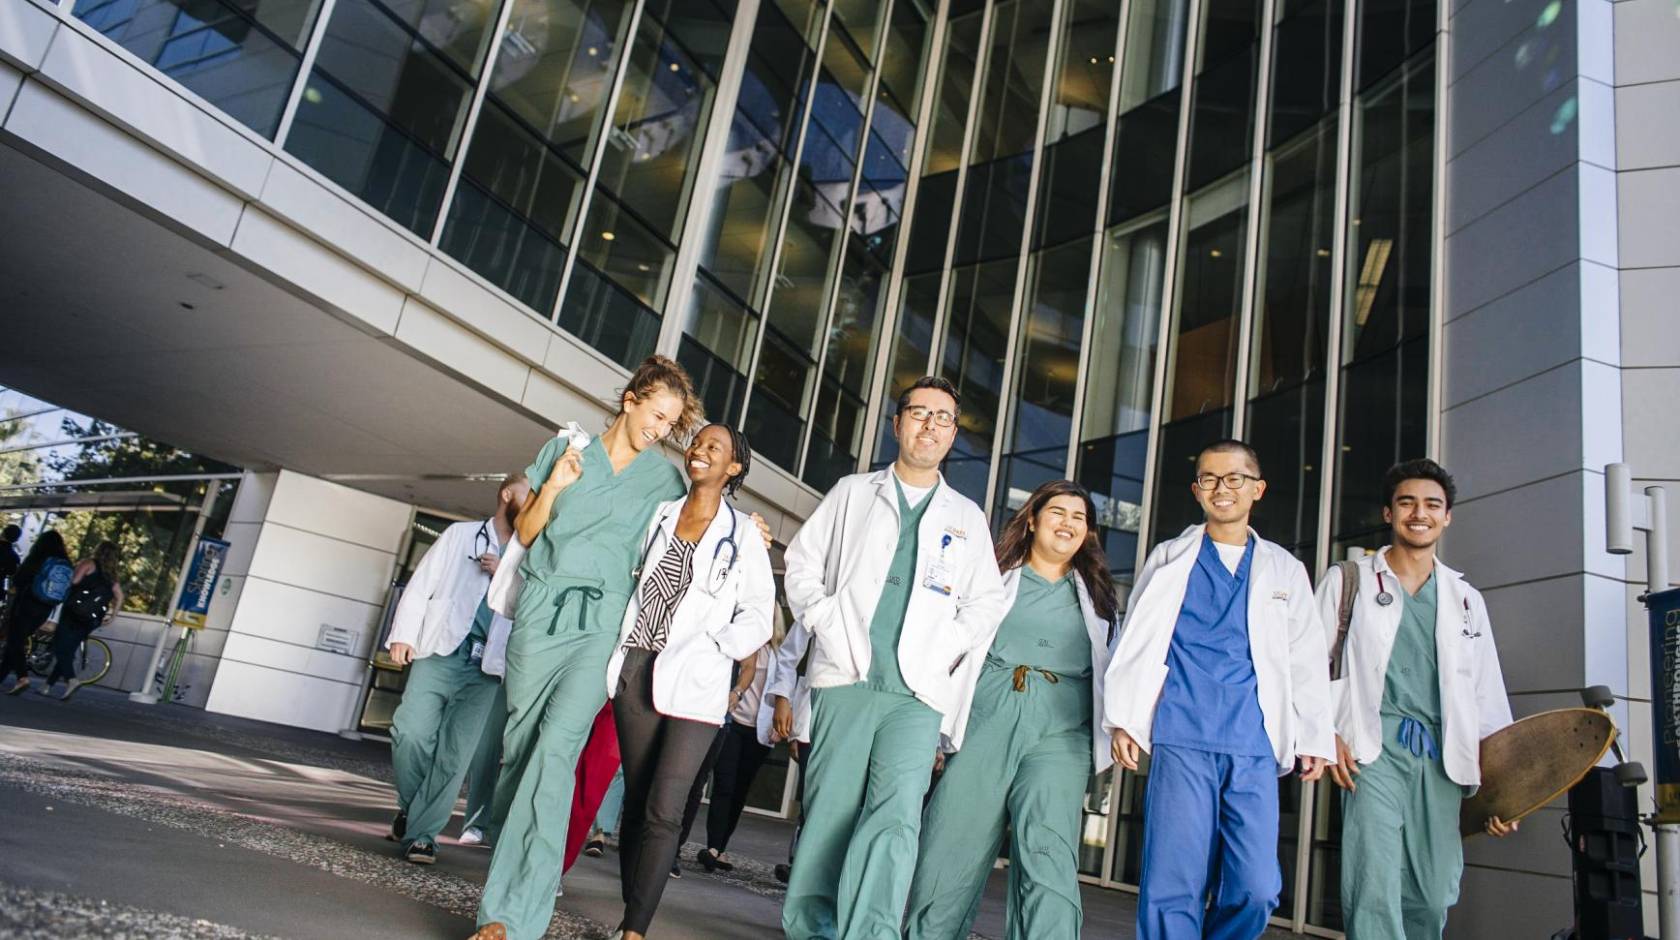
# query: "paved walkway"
x,y
128,821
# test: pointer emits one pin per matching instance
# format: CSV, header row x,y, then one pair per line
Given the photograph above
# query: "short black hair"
x,y
1230,445
11,532
934,382
742,454
1420,469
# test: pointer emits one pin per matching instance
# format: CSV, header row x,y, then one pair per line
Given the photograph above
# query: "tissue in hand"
x,y
576,437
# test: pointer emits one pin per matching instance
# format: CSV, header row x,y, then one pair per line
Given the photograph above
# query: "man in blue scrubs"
x,y
1221,674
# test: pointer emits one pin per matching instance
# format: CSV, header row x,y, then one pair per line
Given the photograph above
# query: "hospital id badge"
x,y
938,577
477,654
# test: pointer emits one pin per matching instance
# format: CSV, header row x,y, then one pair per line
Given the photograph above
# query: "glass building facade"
x,y
1122,228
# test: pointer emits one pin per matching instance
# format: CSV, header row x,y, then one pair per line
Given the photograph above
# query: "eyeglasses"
x,y
924,414
1211,481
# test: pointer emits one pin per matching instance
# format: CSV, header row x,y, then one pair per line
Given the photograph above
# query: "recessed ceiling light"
x,y
608,236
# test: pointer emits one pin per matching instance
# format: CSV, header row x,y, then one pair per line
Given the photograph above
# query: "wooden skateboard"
x,y
1532,762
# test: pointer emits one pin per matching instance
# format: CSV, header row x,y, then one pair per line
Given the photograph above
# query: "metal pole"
x,y
144,695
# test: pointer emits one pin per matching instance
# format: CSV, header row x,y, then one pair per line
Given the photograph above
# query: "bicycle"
x,y
93,658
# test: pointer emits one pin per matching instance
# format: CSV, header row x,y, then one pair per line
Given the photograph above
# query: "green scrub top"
x,y
480,632
598,523
1045,629
888,623
1412,688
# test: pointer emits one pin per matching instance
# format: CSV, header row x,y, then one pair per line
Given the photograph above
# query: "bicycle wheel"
x,y
93,661
40,656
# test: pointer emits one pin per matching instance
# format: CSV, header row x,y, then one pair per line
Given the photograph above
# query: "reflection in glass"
x,y
904,61
1079,99
959,59
1046,375
620,246
241,57
976,340
1067,192
859,18
608,317
716,348
1222,117
1390,31
382,111
1154,50
522,177
1144,147
780,399
1008,112
1114,431
1286,381
1381,414
1306,67
1203,358
912,347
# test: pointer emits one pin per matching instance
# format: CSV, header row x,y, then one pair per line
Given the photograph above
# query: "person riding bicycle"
x,y
39,585
94,598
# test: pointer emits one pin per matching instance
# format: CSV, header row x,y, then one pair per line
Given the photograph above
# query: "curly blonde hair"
x,y
662,374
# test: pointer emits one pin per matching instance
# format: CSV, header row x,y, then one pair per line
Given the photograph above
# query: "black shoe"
x,y
399,827
421,853
782,873
676,870
708,859
594,848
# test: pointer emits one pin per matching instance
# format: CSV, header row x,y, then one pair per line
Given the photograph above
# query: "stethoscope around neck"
x,y
1384,598
716,578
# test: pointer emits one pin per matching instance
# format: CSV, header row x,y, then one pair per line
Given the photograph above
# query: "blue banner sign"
x,y
208,557
1664,609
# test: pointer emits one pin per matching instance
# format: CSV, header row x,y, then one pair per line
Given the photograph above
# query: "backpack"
x,y
52,581
90,599
1344,616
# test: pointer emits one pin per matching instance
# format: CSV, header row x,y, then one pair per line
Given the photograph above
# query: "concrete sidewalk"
x,y
124,820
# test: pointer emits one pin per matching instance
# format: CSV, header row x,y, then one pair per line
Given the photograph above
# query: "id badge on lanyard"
x,y
939,575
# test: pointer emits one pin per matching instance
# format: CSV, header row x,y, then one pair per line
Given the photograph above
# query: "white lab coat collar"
x,y
437,607
1286,642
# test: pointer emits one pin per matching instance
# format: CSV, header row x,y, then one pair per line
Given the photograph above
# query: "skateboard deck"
x,y
1532,762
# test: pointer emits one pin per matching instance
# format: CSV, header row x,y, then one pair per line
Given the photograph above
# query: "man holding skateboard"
x,y
1416,686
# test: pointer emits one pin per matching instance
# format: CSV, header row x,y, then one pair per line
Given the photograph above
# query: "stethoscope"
x,y
483,536
717,578
1384,598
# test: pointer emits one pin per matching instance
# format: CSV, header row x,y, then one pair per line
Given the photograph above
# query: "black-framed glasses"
x,y
926,415
1235,481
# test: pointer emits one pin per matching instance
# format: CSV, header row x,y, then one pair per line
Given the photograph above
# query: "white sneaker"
x,y
21,685
70,689
472,835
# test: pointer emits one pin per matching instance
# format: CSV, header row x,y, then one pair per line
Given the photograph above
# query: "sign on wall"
x,y
209,555
1664,609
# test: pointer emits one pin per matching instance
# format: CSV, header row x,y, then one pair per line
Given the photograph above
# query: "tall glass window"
x,y
1202,359
1146,133
1074,132
628,242
241,57
521,184
382,112
1119,384
1222,117
1288,352
1306,66
1382,408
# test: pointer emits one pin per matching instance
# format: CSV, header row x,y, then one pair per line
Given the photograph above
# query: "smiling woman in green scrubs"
x,y
583,526
1031,744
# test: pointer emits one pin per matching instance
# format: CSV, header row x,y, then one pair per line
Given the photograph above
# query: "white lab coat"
x,y
1473,701
1097,629
785,681
721,618
437,608
1285,637
837,565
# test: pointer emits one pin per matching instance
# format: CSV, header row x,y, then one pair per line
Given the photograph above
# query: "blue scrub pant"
x,y
1209,819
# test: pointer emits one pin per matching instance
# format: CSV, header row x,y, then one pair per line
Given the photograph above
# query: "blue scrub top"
x,y
1211,699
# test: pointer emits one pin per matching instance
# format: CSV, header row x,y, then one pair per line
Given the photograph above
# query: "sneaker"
x,y
782,873
594,848
676,870
21,685
490,931
421,853
472,835
70,689
399,827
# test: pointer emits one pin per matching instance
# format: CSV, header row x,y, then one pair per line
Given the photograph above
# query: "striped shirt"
x,y
661,593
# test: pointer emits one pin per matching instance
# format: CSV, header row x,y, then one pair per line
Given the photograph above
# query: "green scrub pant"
x,y
434,733
1401,851
871,759
486,766
556,684
1026,758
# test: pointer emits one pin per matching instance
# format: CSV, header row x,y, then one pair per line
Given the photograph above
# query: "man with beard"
x,y
440,630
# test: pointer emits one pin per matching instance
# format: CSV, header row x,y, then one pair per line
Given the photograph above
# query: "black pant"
x,y
661,758
66,640
697,791
24,618
737,764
